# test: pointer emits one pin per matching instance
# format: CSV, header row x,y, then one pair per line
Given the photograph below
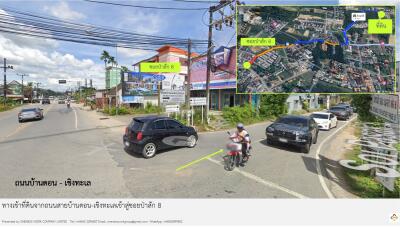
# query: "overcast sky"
x,y
46,61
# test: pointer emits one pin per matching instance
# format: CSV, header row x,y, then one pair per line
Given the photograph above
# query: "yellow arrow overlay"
x,y
199,160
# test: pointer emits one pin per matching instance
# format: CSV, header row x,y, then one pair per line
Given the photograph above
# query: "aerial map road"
x,y
326,49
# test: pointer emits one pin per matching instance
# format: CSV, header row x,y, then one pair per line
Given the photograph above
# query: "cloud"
x,y
145,22
48,67
63,11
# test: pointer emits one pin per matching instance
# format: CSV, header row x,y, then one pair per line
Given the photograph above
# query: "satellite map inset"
x,y
319,49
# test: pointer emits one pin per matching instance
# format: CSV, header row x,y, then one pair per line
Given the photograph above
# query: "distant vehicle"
x,y
349,108
147,135
301,131
45,101
325,120
61,101
341,112
30,114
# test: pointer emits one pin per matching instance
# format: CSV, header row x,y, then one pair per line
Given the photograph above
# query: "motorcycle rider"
x,y
68,103
243,137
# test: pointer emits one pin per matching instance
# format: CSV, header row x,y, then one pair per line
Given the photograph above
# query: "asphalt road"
x,y
78,144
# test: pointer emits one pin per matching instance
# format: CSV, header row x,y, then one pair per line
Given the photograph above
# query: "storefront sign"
x,y
223,78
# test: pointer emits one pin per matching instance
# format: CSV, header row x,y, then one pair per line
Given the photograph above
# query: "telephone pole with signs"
x,y
224,19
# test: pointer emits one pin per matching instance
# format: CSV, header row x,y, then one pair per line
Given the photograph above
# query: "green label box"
x,y
160,67
380,26
257,42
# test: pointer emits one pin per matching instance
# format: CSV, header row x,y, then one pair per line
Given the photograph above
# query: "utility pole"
x,y
189,63
37,90
5,67
222,4
209,53
22,86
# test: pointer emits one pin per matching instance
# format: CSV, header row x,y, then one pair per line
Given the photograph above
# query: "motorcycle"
x,y
68,105
234,156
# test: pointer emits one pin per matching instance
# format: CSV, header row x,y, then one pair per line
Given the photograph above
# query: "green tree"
x,y
273,105
362,103
105,56
124,69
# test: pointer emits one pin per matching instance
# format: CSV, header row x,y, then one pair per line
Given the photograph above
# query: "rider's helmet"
x,y
240,126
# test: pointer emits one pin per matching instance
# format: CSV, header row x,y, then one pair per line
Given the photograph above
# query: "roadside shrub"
x,y
244,114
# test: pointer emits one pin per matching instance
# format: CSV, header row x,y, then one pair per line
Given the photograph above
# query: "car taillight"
x,y
139,136
126,131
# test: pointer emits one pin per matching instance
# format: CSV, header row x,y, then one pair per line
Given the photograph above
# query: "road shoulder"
x,y
334,152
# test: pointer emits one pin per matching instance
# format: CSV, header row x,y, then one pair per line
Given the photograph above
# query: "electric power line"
x,y
144,7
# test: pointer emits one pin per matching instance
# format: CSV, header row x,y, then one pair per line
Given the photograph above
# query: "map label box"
x,y
380,26
257,42
358,16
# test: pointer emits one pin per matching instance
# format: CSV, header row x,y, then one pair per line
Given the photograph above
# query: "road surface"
x,y
83,145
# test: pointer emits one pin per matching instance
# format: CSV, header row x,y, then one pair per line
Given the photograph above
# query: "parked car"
x,y
30,114
341,112
325,120
148,135
301,131
45,101
349,108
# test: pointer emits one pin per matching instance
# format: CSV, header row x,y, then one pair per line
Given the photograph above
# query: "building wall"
x,y
113,77
295,102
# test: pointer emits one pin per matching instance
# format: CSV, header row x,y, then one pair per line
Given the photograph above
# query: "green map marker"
x,y
246,65
381,14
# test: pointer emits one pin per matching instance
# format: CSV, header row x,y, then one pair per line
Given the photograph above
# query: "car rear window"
x,y
137,125
338,108
300,122
28,110
320,116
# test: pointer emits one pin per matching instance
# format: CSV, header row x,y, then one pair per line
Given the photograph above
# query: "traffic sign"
x,y
198,101
172,96
172,108
62,81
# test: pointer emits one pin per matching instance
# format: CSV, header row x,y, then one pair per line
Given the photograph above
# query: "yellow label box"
x,y
160,67
257,42
380,26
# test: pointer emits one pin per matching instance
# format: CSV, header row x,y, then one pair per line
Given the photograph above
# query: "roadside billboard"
x,y
136,85
223,78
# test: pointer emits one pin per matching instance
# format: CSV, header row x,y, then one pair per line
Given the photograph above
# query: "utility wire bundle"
x,y
29,24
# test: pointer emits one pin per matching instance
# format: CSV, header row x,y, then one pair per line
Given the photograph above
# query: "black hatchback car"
x,y
301,131
147,135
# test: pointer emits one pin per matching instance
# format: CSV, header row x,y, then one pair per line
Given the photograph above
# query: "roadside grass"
x,y
8,106
362,183
149,109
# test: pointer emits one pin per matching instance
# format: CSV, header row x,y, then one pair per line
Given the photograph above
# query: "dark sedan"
x,y
30,114
301,131
341,112
147,135
348,107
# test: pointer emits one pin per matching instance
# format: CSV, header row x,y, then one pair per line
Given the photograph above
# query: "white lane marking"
x,y
264,182
76,119
317,160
